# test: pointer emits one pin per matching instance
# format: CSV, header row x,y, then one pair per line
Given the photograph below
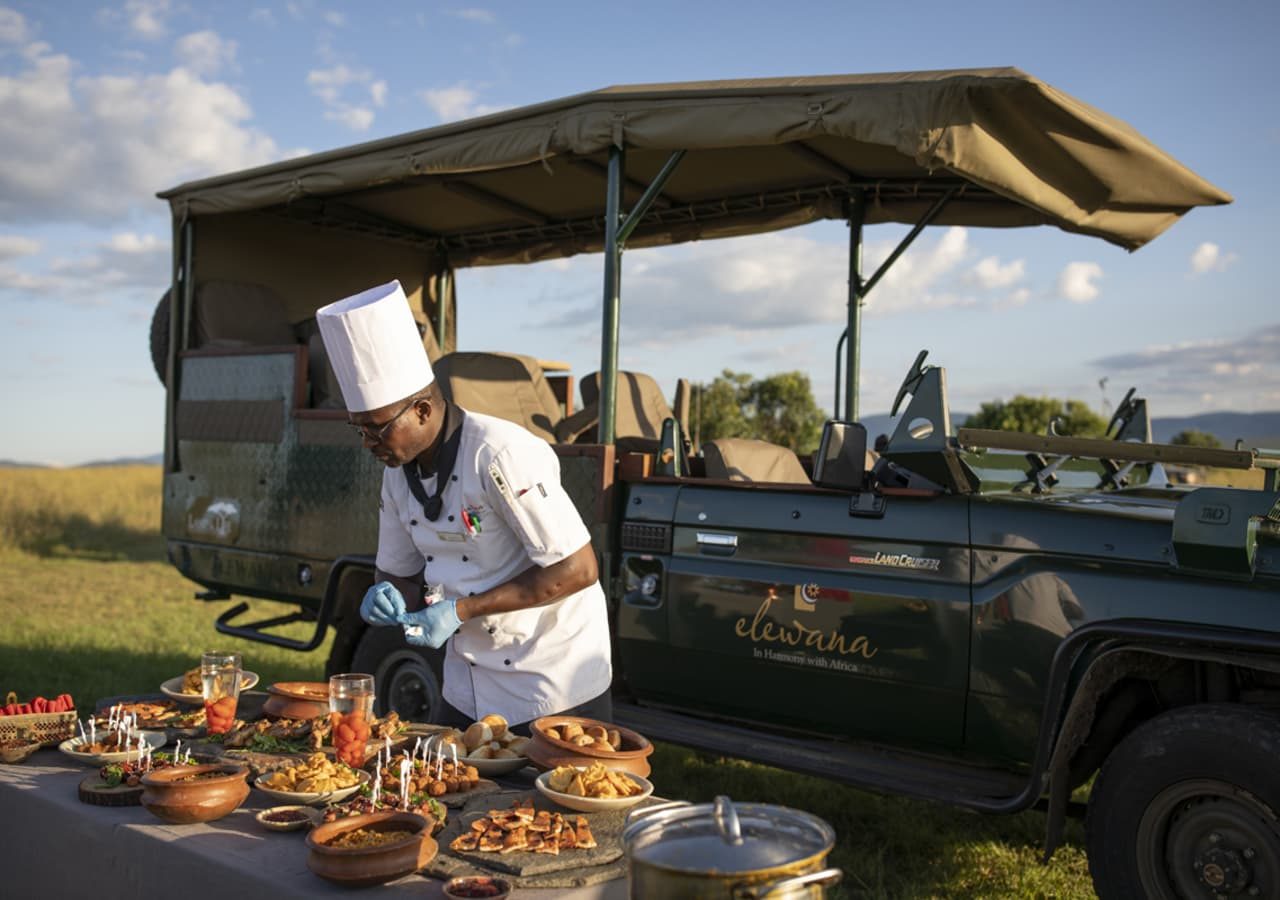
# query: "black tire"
x,y
1186,807
406,678
160,337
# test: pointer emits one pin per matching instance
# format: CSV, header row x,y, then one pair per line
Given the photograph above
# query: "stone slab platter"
x,y
571,868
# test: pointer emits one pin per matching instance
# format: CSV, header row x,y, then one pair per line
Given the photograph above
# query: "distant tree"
x,y
778,408
1194,437
786,413
1033,414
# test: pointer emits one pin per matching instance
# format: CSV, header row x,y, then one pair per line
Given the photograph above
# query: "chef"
x,y
471,505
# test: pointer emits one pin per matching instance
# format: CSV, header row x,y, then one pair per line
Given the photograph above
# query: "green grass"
x,y
88,605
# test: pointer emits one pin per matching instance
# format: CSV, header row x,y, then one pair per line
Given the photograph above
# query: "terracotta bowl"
x,y
547,752
365,866
293,708
170,798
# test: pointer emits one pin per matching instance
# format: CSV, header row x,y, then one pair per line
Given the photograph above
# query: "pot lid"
x,y
724,837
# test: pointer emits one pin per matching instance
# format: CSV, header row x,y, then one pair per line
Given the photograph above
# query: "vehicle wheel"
x,y
406,679
160,337
1186,807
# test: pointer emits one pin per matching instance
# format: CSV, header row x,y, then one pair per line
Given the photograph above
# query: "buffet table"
x,y
52,845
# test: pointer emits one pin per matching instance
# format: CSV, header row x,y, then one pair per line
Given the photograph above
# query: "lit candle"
x,y
388,748
416,744
177,751
84,738
453,748
404,784
93,733
377,787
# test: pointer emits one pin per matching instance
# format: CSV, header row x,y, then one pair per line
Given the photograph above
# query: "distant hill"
x,y
1261,429
11,464
152,460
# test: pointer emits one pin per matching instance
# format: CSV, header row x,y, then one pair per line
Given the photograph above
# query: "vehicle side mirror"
x,y
841,461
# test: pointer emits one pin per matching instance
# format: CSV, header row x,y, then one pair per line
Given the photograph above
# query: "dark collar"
x,y
442,461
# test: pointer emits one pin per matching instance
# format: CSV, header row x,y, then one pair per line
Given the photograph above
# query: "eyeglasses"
x,y
378,432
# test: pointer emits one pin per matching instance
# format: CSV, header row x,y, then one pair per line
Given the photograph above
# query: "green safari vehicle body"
x,y
982,618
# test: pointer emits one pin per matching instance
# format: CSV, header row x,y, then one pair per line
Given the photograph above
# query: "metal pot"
x,y
742,851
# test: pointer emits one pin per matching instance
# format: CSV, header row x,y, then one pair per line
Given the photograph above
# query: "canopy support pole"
x,y
858,290
612,287
181,298
616,231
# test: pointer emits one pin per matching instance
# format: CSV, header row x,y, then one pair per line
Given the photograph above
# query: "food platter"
x,y
301,798
595,804
154,739
301,690
173,687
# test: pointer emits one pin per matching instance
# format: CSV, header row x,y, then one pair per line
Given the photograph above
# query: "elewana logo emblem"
x,y
806,597
897,561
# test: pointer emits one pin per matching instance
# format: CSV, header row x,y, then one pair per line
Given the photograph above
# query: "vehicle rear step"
x,y
862,765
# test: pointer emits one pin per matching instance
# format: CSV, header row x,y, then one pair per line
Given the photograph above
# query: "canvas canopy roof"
x,y
764,154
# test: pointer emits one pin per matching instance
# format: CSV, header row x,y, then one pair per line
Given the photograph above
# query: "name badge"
x,y
451,535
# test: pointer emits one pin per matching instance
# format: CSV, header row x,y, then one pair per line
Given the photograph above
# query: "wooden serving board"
x,y
571,867
95,792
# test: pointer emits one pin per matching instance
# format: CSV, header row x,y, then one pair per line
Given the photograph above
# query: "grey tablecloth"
x,y
54,846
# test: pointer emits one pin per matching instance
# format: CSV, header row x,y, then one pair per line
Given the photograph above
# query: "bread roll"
x,y
481,753
504,753
553,733
570,731
583,740
517,745
478,734
615,738
598,732
605,746
497,724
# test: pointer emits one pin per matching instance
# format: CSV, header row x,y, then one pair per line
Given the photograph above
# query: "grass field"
x,y
89,605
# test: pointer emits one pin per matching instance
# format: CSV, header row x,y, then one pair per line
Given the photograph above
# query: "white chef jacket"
x,y
522,664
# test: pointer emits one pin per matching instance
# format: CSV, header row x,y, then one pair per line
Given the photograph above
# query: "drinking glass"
x,y
351,712
220,678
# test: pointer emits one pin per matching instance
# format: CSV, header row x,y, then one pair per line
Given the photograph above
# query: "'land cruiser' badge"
x,y
897,561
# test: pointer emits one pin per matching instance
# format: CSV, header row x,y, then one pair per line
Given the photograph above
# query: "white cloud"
x,y
336,19
94,147
474,14
204,52
13,26
989,273
262,16
126,262
1222,373
1076,282
13,246
147,17
455,102
331,86
1208,257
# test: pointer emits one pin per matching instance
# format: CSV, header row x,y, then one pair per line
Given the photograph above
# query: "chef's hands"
x,y
432,626
382,605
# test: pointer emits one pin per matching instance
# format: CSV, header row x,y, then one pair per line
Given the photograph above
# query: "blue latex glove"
x,y
432,626
382,604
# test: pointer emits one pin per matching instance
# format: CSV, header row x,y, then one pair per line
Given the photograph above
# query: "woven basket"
x,y
46,729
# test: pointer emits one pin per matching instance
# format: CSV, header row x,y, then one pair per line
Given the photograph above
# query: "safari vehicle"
x,y
977,617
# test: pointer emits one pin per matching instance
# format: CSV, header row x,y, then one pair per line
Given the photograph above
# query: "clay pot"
x,y
365,866
547,753
282,707
170,798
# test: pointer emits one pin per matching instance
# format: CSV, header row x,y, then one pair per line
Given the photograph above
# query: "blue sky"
x,y
101,105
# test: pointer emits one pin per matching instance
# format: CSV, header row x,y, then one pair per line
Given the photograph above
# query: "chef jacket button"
x,y
492,629
464,559
413,521
430,558
506,662
472,663
471,593
451,518
453,477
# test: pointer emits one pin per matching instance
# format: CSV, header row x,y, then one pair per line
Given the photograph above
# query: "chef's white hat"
x,y
374,347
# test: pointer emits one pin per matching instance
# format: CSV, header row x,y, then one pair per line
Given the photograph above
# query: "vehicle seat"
x,y
505,385
743,459
240,314
640,412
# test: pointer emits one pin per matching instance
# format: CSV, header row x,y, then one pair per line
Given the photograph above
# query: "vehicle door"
x,y
781,607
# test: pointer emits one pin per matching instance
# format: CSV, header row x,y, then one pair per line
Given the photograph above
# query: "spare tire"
x,y
160,337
